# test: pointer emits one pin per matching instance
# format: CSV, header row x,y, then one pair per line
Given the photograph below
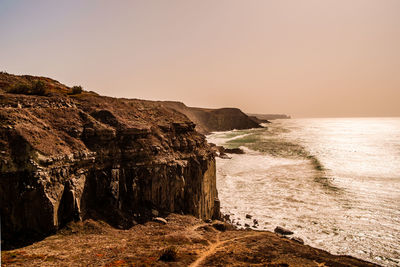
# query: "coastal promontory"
x,y
72,155
88,180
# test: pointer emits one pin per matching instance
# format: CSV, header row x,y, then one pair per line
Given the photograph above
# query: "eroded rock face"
x,y
71,158
210,120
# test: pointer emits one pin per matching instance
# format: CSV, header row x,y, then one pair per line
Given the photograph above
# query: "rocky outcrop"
x,y
282,231
210,120
67,158
259,121
269,116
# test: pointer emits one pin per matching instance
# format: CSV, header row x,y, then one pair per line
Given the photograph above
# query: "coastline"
x,y
87,193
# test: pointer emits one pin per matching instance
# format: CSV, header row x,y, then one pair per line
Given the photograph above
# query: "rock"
x,y
160,220
298,240
224,156
248,216
227,218
246,225
219,226
154,212
217,209
234,150
282,231
255,221
208,221
238,224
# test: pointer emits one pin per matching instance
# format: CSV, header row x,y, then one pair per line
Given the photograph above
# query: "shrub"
x,y
169,254
76,90
38,88
20,89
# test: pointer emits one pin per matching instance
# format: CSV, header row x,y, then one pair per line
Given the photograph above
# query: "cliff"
x,y
209,120
258,120
71,157
269,116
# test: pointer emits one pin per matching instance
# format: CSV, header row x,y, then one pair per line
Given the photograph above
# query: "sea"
x,y
335,182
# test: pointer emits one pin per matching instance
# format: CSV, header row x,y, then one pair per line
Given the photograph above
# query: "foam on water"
x,y
334,182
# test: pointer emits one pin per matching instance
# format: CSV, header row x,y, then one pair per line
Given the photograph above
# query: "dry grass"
x,y
179,243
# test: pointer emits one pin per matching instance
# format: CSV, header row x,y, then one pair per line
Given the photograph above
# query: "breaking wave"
x,y
334,182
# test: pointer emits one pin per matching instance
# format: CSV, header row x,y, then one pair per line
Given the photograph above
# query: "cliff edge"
x,y
68,156
210,120
183,241
269,116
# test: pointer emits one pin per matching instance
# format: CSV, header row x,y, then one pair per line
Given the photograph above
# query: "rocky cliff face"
x,y
210,120
65,158
269,116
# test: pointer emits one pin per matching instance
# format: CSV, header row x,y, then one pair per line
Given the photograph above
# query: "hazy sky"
x,y
311,58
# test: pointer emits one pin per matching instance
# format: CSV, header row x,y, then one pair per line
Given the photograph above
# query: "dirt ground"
x,y
183,241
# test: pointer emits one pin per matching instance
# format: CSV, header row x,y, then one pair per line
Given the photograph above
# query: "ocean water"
x,y
334,182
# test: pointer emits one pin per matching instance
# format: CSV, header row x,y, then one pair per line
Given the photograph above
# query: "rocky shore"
x,y
88,180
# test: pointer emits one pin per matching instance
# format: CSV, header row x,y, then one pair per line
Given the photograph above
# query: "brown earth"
x,y
94,243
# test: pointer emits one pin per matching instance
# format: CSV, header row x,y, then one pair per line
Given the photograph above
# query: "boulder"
x,y
160,220
234,151
282,231
224,156
221,226
227,218
298,240
155,213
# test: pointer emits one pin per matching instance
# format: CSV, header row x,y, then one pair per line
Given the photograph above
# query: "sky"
x,y
309,58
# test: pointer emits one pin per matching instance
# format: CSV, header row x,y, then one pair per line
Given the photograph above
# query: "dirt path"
x,y
212,248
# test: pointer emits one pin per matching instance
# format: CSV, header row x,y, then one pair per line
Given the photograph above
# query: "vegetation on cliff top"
x,y
35,85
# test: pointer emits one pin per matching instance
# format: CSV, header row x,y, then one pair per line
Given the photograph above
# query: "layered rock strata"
x,y
65,158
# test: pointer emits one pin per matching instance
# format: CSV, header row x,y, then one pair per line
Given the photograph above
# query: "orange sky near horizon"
x,y
309,58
